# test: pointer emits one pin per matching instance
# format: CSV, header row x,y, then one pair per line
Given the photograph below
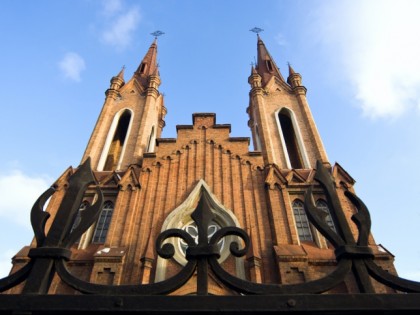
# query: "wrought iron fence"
x,y
355,257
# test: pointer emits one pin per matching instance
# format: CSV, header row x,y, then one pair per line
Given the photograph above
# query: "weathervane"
x,y
156,34
256,30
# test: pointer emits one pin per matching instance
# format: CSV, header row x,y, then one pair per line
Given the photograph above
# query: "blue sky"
x,y
358,59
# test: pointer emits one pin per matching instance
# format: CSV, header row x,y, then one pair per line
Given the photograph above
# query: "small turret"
x,y
254,79
116,83
295,81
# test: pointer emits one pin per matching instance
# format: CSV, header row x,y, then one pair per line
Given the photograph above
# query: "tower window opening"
x,y
142,67
290,140
269,65
102,226
114,153
302,222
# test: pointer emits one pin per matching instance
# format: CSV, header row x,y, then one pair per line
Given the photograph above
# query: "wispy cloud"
x,y
377,47
121,24
112,7
72,65
281,40
18,192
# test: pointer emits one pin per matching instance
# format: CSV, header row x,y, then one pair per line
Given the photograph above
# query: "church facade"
x,y
151,184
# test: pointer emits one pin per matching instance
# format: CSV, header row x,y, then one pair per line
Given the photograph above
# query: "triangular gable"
x,y
112,179
295,178
274,177
341,175
274,82
131,85
129,180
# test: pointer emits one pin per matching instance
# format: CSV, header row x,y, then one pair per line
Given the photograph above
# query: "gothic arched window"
x,y
120,135
103,223
321,204
301,220
290,139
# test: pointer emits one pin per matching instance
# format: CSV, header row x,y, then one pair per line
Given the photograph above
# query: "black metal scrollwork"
x,y
53,248
357,252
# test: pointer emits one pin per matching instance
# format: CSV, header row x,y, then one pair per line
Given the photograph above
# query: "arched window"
x,y
290,139
321,204
115,149
104,221
302,222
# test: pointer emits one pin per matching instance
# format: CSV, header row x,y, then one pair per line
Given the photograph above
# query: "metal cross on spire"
x,y
157,33
256,30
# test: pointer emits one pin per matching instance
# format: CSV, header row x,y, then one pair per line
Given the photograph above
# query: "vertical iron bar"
x,y
359,269
40,277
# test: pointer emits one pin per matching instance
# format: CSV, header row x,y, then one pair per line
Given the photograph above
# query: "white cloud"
x,y
378,49
120,31
72,65
18,192
111,7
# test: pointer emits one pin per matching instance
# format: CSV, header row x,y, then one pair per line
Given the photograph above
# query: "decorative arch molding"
x,y
181,216
298,134
110,136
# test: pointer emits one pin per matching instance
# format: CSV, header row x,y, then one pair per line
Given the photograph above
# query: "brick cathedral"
x,y
152,184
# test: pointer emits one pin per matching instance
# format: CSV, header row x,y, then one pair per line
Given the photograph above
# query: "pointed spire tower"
x,y
148,65
131,119
281,122
266,66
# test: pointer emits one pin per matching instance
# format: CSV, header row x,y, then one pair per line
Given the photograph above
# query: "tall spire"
x,y
148,65
266,66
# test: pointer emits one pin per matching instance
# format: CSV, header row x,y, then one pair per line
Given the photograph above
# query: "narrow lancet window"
x,y
104,221
152,138
120,135
290,139
302,222
257,139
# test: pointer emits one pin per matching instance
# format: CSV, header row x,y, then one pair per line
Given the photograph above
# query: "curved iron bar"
x,y
163,287
165,250
390,280
15,278
361,218
316,286
247,287
317,218
38,220
234,246
358,252
87,217
39,217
